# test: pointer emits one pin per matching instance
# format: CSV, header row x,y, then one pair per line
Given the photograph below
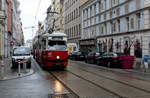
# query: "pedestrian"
x,y
145,63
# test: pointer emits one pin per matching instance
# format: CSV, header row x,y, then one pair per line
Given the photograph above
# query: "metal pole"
x,y
2,69
19,69
25,67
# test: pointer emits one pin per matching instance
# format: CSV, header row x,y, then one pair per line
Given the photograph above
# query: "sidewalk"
x,y
9,73
137,67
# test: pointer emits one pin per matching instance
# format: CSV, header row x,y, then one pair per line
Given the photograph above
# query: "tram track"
x,y
75,72
77,96
123,72
71,94
118,81
115,80
106,89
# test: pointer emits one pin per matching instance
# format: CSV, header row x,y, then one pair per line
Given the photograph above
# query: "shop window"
x,y
137,49
127,48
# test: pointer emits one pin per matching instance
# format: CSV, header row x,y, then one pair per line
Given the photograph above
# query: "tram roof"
x,y
55,33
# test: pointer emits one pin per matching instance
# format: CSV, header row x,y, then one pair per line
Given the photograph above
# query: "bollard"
x,y
25,66
2,69
19,68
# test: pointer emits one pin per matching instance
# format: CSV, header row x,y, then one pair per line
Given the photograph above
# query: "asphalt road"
x,y
80,80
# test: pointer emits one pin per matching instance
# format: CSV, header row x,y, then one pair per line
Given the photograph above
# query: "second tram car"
x,y
50,50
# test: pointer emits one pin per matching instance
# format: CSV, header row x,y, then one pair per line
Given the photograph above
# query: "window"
x,y
90,11
118,25
114,27
74,16
105,4
110,14
138,4
127,23
79,29
105,16
99,18
105,28
102,29
111,26
118,11
126,8
77,13
94,9
102,5
138,16
132,23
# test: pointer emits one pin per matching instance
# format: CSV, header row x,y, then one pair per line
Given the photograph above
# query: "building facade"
x,y
2,26
10,26
57,7
72,22
118,25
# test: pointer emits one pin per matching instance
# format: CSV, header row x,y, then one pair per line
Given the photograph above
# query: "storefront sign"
x,y
87,42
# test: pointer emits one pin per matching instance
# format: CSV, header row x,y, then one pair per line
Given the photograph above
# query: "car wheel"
x,y
97,62
109,64
85,60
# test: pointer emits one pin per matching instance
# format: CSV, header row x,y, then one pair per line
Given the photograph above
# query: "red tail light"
x,y
114,57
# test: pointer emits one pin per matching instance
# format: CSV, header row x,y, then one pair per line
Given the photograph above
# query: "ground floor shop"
x,y
133,43
73,44
88,45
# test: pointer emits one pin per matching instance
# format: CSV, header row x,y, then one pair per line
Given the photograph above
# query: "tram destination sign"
x,y
56,38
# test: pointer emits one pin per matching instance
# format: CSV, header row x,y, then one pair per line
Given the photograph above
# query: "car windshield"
x,y
21,51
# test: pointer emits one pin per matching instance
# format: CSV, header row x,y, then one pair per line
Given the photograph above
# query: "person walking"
x,y
145,63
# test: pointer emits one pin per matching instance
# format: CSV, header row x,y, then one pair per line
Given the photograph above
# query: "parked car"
x,y
21,54
77,55
92,56
110,59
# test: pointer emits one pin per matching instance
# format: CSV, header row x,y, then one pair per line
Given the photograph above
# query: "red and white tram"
x,y
50,50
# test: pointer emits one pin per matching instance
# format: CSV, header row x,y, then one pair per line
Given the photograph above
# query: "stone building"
x,y
2,25
72,22
17,25
57,14
117,25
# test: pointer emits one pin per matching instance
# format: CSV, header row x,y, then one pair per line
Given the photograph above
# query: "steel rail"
x,y
114,71
74,95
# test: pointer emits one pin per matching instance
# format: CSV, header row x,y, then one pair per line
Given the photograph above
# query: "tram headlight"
x,y
57,57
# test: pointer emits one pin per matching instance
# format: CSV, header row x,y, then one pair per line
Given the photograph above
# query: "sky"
x,y
32,11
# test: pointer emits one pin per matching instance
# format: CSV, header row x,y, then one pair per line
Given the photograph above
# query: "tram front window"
x,y
57,45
